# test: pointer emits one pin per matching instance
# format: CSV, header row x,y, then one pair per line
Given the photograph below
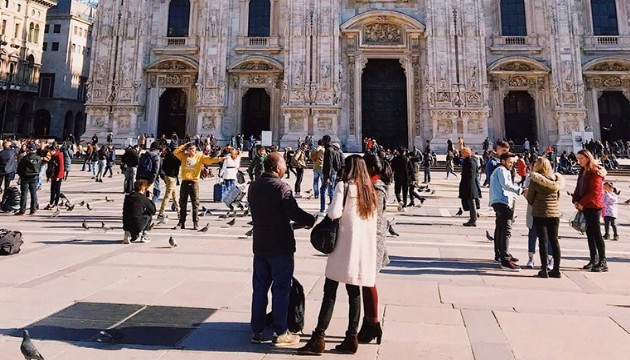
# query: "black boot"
x,y
315,345
591,263
369,331
349,345
602,266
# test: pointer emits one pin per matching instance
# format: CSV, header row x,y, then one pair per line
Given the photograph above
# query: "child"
x,y
610,210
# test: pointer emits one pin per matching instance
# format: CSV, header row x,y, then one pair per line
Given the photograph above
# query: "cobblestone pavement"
x,y
442,297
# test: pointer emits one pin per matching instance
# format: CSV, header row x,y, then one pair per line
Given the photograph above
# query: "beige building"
x,y
65,67
401,71
22,25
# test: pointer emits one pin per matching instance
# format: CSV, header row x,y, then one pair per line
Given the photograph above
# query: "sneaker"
x,y
258,338
509,265
286,339
550,263
49,207
145,238
401,206
126,237
530,263
297,195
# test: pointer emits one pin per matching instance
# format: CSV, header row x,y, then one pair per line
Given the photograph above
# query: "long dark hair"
x,y
356,171
377,165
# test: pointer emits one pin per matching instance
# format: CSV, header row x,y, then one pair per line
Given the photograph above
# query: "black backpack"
x,y
11,199
145,165
295,318
10,242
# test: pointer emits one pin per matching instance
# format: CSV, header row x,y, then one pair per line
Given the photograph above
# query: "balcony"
x,y
594,44
177,45
521,44
267,44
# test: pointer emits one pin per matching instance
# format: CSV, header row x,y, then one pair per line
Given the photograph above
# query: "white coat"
x,y
354,259
230,168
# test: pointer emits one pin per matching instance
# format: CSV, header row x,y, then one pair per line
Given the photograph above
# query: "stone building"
x,y
65,68
401,71
21,36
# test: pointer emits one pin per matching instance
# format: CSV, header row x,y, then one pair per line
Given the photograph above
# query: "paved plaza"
x,y
442,296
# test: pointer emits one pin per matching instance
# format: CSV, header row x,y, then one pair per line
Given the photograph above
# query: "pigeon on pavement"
x,y
70,207
108,199
432,192
85,225
172,242
490,238
28,349
232,222
391,230
460,212
63,196
250,232
82,203
627,202
90,208
205,228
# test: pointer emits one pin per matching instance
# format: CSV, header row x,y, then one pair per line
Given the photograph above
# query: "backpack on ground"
x,y
295,318
10,242
11,199
145,165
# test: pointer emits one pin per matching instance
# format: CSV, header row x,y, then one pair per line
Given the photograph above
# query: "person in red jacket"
x,y
522,169
588,197
55,173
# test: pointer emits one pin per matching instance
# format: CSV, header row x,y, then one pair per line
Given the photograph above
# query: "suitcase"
x,y
219,190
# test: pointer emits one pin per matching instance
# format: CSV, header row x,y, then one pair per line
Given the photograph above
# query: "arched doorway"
x,y
384,103
256,114
68,125
23,123
79,125
42,123
520,117
172,116
614,116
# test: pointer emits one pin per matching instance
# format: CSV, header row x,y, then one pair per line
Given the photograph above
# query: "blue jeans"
x,y
42,174
331,188
94,168
318,176
427,174
88,163
275,272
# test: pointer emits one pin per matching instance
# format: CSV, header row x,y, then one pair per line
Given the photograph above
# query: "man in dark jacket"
x,y
8,165
329,171
138,209
273,207
469,189
28,171
256,166
129,161
149,170
402,177
169,173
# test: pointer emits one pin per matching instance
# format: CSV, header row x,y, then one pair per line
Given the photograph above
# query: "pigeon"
x,y
63,196
55,213
422,199
203,208
85,225
246,213
70,207
617,192
391,230
82,203
172,242
427,190
201,213
309,197
90,208
232,222
490,238
308,191
28,349
224,216
108,199
208,212
432,192
569,193
460,212
205,228
250,232
107,228
627,202
607,128
103,224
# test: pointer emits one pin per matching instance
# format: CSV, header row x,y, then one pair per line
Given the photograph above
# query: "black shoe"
x,y
471,224
179,225
369,332
555,274
606,236
349,345
509,265
19,213
32,212
589,266
601,267
543,274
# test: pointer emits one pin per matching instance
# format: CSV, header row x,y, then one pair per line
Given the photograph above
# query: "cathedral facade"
x,y
400,71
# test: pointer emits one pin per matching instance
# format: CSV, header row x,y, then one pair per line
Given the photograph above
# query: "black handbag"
x,y
324,234
240,177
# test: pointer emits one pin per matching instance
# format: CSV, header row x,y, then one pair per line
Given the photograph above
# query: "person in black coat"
x,y
469,189
8,165
403,176
138,210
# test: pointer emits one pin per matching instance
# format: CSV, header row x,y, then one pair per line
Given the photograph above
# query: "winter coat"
x,y
256,167
353,261
610,204
468,185
135,206
8,164
544,195
403,170
382,257
588,190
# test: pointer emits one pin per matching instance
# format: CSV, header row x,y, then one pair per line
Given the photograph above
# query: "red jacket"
x,y
593,194
522,167
61,171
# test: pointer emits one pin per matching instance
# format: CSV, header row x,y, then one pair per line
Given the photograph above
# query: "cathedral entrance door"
x,y
384,103
256,114
172,116
520,117
614,116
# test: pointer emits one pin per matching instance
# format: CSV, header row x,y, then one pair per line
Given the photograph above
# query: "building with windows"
x,y
21,36
400,71
65,69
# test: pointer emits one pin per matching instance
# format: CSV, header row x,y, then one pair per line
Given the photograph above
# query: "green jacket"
x,y
256,167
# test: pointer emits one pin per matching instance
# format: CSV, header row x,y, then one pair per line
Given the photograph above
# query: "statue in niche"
x,y
298,72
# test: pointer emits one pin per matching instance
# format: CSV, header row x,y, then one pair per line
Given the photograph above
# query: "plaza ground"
x,y
442,296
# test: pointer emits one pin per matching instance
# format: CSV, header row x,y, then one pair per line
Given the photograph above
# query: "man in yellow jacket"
x,y
190,171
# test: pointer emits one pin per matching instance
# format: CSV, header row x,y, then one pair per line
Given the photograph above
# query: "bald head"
x,y
274,163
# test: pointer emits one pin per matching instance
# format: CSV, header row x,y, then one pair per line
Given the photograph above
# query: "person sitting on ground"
x,y
138,211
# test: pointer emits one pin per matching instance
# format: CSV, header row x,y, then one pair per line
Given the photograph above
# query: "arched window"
x,y
30,32
259,18
604,17
178,18
513,18
36,34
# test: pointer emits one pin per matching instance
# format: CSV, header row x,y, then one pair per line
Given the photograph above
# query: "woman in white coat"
x,y
230,168
353,261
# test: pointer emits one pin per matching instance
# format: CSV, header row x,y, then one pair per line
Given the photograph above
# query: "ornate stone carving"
x,y
351,110
443,97
516,66
256,79
611,66
255,66
324,124
173,65
517,81
208,123
611,81
445,126
296,124
124,121
174,80
382,34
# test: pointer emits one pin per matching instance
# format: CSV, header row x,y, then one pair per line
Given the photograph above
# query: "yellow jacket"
x,y
191,166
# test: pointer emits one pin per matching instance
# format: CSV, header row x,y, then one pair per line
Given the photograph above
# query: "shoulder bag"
x,y
324,234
